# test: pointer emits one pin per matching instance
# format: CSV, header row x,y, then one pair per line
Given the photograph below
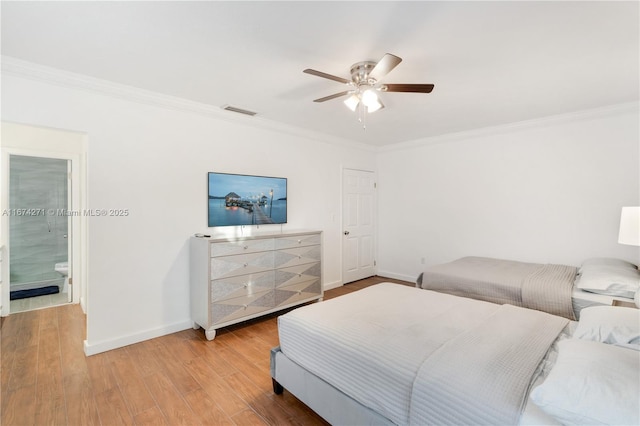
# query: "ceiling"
x,y
492,63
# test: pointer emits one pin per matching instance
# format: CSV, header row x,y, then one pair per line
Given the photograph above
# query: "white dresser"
x,y
234,279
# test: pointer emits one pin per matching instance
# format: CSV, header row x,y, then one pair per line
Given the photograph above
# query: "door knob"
x,y
346,232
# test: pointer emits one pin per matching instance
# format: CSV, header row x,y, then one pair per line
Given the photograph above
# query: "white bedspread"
x,y
372,343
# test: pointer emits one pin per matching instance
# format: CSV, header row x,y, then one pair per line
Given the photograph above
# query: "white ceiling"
x,y
492,63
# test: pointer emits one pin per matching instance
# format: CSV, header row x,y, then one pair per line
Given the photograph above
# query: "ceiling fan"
x,y
365,83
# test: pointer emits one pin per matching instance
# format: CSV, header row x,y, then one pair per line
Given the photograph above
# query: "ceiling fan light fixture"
x,y
352,102
374,107
370,98
364,85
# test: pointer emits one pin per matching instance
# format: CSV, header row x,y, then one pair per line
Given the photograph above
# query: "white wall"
x,y
544,191
154,161
550,191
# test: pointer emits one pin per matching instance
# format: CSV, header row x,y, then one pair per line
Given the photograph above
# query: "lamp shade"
x,y
375,106
630,226
369,98
352,102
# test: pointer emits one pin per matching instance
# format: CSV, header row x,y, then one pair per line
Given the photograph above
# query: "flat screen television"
x,y
236,200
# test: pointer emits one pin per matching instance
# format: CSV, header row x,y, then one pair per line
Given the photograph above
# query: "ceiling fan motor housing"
x,y
360,73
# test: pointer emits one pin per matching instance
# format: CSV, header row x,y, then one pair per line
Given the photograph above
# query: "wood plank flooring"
x,y
179,379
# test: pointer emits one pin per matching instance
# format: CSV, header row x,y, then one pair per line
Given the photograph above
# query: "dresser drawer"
x,y
296,292
242,285
296,241
228,248
297,256
297,274
250,263
240,307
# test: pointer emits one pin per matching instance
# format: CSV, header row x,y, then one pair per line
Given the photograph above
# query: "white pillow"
x,y
607,261
610,324
609,280
592,383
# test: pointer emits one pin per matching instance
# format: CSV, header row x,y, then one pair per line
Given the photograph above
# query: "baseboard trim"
x,y
93,348
331,286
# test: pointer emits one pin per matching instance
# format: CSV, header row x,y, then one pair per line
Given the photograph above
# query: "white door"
x,y
358,221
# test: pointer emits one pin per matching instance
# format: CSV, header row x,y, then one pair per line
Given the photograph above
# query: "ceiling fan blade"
x,y
384,66
415,88
335,95
325,75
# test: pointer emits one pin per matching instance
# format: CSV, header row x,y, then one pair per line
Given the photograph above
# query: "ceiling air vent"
x,y
238,110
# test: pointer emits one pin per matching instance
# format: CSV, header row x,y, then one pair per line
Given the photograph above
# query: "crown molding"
x,y
55,76
70,80
588,114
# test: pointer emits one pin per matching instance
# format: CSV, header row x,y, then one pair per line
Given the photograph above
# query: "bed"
x,y
557,289
394,354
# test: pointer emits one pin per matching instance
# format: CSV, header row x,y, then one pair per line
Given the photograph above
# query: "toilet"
x,y
62,268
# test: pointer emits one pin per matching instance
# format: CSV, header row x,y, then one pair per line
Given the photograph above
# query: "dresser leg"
x,y
210,334
277,387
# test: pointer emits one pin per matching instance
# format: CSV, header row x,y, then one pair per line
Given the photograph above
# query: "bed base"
x,y
327,401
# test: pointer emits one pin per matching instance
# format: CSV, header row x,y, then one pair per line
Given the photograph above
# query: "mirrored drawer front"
x,y
297,241
297,274
240,307
241,285
251,263
296,292
227,248
297,256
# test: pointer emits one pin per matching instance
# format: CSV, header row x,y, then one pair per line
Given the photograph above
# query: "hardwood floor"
x,y
179,379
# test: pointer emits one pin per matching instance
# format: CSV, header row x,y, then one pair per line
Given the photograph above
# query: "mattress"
x,y
381,337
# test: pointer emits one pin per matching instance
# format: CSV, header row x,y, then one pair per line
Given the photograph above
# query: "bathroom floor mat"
x,y
23,294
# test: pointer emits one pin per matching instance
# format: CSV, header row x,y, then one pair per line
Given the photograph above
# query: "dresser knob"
x,y
244,306
299,241
246,247
299,257
246,264
299,275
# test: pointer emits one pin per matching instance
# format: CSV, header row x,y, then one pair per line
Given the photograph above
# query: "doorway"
x,y
33,256
359,222
39,228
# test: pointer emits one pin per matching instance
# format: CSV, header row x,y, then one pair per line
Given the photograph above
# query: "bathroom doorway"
x,y
27,152
39,229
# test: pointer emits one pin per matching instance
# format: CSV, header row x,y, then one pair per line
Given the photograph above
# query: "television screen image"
x,y
246,200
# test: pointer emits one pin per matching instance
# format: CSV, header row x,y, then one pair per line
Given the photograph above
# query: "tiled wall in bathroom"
x,y
38,192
